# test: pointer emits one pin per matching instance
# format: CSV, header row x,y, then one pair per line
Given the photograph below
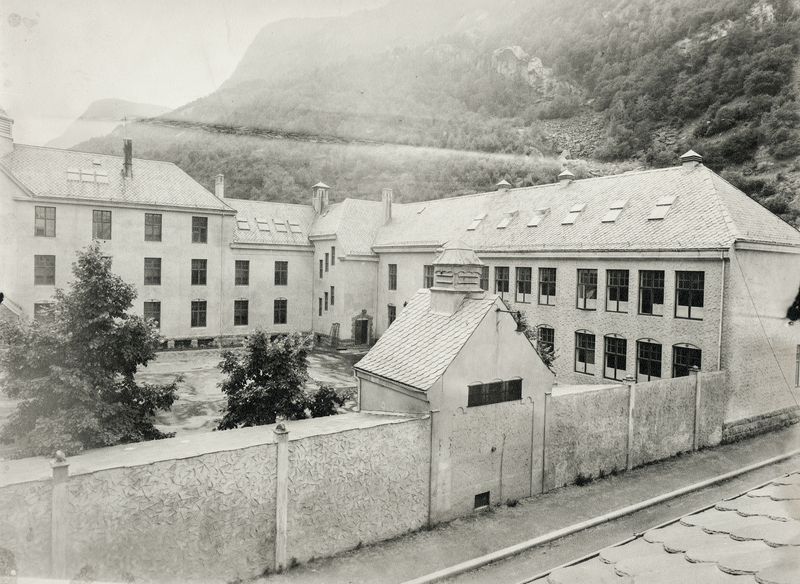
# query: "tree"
x,y
267,380
74,369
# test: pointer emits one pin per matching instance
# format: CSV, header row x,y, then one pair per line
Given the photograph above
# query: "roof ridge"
x,y
730,224
269,202
32,146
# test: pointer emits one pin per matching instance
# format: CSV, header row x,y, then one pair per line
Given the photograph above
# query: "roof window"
x,y
614,211
475,222
280,226
538,216
263,224
295,227
507,217
73,174
663,206
243,224
87,175
101,176
574,213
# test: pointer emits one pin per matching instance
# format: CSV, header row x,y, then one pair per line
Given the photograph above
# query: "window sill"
x,y
688,318
586,309
617,311
585,373
648,314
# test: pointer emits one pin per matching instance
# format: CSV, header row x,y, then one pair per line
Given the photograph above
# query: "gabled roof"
x,y
255,212
43,172
354,222
419,346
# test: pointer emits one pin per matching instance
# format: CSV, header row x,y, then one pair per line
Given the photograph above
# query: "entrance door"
x,y
362,331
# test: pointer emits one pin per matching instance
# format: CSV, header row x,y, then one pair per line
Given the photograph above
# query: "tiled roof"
x,y
43,171
418,347
260,214
754,537
708,213
354,222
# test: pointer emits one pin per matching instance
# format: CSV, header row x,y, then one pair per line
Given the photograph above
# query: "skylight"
x,y
475,222
73,174
87,175
263,224
280,226
295,227
507,217
614,211
101,176
574,213
242,224
538,216
663,206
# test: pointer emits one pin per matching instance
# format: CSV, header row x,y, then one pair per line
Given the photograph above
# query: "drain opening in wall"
x,y
482,500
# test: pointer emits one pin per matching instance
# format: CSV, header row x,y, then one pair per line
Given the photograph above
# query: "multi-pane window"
x,y
684,357
242,273
198,313
199,229
327,261
321,268
392,276
281,273
616,361
427,276
152,310
199,270
44,270
240,312
392,313
617,290
523,285
152,226
279,311
501,280
101,224
651,292
494,392
152,271
326,301
484,281
587,289
547,286
320,306
584,352
45,222
648,361
689,294
546,339
333,256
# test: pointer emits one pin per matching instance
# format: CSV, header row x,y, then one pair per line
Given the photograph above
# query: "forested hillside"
x,y
718,77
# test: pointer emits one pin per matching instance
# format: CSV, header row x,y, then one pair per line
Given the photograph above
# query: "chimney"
x,y
565,178
387,205
127,169
691,159
319,197
219,186
503,186
6,138
457,273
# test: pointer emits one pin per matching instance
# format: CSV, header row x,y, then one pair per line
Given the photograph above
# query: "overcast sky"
x,y
58,56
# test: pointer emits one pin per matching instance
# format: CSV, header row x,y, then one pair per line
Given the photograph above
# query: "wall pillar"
x,y
695,372
548,396
282,495
631,383
59,517
170,344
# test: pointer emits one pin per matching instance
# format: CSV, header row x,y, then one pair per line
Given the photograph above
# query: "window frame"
x,y
321,266
583,298
333,255
681,363
611,351
241,312
544,343
241,273
281,273
392,276
616,289
483,282
494,392
152,272
199,229
651,291
199,314
547,286
199,272
325,295
427,276
686,290
101,224
44,270
327,261
585,341
145,311
524,286
47,228
151,226
391,311
499,272
332,296
280,311
641,346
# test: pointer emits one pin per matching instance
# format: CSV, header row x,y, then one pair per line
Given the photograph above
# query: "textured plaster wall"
x,y
410,278
25,524
358,486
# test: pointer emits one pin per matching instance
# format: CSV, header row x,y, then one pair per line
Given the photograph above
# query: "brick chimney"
x,y
219,186
691,159
387,197
6,137
456,275
127,150
565,178
319,198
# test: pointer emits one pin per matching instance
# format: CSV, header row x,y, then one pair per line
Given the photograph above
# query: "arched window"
x,y
684,357
545,338
648,360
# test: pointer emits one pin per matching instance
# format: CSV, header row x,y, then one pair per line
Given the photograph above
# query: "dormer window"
x,y
538,216
243,224
475,222
663,206
263,224
280,226
614,211
507,217
574,213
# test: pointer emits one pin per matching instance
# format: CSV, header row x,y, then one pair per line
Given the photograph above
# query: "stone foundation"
x,y
760,424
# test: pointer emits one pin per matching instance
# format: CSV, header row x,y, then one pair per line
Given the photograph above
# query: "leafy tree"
x,y
74,370
267,380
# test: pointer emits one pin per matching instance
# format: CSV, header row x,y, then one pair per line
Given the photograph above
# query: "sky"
x,y
58,56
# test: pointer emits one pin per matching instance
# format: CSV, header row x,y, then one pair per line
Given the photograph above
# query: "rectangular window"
x,y
617,290
584,353
281,273
484,282
43,311
523,285
547,286
321,266
501,280
152,271
494,392
392,313
333,256
616,358
198,313
326,301
683,359
152,227
45,222
199,229
651,292
44,270
199,269
101,224
279,311
320,306
240,312
152,310
648,361
242,276
482,500
427,276
689,295
327,260
392,276
546,340
587,289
